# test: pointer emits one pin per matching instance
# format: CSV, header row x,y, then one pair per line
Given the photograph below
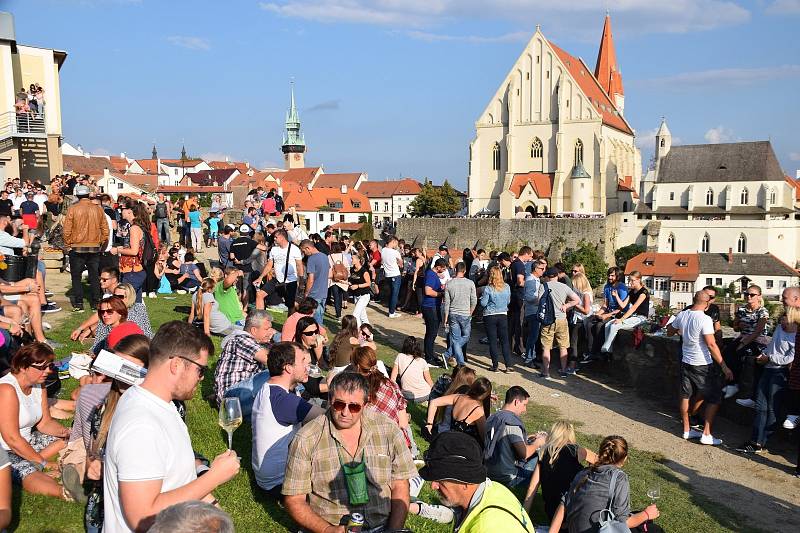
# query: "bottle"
x,y
355,523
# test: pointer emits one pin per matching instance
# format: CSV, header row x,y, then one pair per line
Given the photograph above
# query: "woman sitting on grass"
x,y
205,310
599,487
470,410
559,462
412,369
343,344
226,295
32,452
135,312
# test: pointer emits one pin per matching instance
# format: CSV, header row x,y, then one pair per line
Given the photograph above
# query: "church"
x,y
554,140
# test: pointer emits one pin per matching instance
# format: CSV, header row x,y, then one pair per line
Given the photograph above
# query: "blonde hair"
x,y
580,268
561,434
216,274
496,278
207,285
130,293
581,283
793,315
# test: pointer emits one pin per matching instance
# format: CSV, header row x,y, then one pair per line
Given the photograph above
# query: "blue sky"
x,y
393,87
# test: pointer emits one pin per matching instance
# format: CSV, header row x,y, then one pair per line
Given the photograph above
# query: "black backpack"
x,y
148,249
547,311
161,210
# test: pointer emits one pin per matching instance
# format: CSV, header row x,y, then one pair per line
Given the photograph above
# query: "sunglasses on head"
x,y
310,333
41,366
339,405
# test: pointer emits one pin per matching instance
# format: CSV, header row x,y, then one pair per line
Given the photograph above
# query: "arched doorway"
x,y
531,209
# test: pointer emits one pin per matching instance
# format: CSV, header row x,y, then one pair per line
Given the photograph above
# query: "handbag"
x,y
608,522
399,379
280,284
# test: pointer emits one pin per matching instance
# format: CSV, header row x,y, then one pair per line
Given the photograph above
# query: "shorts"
x,y
212,234
558,331
22,468
702,380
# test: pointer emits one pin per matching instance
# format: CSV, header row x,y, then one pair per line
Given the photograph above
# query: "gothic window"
x,y
671,243
496,157
745,196
741,244
772,197
705,244
663,143
709,197
578,152
536,148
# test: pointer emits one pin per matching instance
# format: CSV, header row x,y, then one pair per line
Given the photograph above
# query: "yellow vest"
x,y
498,510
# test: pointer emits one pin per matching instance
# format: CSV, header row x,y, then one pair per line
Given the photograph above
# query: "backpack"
x,y
340,272
547,311
148,249
161,210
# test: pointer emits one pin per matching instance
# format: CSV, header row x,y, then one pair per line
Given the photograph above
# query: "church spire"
x,y
606,71
155,152
294,144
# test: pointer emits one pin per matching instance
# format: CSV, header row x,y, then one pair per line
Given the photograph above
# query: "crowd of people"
x,y
30,101
332,437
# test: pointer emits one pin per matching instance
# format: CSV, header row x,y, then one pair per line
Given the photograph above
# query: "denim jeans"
x,y
612,328
460,329
394,295
431,317
162,226
136,279
91,262
497,331
772,383
525,471
319,313
534,330
246,391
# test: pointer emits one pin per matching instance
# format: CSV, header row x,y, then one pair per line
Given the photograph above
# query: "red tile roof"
x,y
313,200
592,89
387,189
626,185
795,185
336,181
606,71
263,179
209,177
92,166
147,182
541,182
179,163
149,165
238,165
120,163
295,178
678,267
347,226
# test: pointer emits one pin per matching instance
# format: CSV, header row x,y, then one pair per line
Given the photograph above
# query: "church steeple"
x,y
155,152
294,144
606,71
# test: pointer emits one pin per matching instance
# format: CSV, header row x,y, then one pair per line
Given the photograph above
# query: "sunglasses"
x,y
310,333
751,294
576,271
201,368
105,311
339,405
104,279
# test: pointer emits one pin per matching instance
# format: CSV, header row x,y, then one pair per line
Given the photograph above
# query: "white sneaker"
x,y
692,434
394,315
791,421
730,391
152,295
415,486
181,291
746,403
709,440
437,513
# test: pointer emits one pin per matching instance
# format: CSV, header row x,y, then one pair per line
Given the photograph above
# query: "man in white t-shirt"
x,y
700,379
278,413
392,262
149,463
282,252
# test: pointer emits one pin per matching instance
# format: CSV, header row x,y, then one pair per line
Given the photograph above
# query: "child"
x,y
213,229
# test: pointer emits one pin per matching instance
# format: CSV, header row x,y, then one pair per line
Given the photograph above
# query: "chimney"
x,y
730,256
309,187
344,189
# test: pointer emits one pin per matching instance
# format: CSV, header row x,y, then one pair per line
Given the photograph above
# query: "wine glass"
x,y
230,417
654,493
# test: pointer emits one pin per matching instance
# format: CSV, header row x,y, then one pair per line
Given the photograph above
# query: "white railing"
x,y
14,124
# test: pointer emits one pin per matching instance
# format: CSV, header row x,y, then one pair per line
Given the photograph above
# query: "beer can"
x,y
355,523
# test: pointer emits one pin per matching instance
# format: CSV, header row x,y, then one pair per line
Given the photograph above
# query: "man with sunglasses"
x,y
278,412
328,453
149,463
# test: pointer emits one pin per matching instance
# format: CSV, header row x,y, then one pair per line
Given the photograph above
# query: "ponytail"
x,y
613,450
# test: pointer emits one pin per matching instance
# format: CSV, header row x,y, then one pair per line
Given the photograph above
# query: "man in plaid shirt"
x,y
315,489
244,353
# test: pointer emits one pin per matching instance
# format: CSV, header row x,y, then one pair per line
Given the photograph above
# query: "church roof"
x,y
730,162
606,71
91,166
542,183
678,267
387,189
744,265
593,90
626,185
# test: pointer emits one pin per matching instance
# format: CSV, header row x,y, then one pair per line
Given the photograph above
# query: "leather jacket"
x,y
85,227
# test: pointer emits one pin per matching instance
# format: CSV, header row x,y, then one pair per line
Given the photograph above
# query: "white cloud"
x,y
646,140
721,77
720,134
188,42
513,37
100,151
268,163
784,7
794,156
637,16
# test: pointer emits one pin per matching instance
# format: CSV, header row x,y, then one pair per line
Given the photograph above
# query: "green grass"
x,y
681,509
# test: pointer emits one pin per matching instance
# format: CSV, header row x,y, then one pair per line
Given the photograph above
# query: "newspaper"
x,y
116,367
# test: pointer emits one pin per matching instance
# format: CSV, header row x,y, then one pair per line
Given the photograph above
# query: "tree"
x,y
365,232
626,253
435,201
590,258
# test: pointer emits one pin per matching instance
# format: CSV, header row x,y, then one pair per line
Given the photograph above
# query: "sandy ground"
x,y
760,488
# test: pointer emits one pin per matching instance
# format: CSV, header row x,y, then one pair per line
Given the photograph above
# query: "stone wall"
x,y
510,234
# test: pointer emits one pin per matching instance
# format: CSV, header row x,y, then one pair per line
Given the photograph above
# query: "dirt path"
x,y
760,490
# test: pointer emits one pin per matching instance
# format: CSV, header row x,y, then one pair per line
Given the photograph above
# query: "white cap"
x,y
244,228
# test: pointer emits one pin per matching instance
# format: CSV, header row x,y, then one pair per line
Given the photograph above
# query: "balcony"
x,y
24,125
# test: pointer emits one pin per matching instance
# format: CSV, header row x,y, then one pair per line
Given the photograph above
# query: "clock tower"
x,y
294,144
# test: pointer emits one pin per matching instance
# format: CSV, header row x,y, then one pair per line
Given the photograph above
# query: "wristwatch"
x,y
42,465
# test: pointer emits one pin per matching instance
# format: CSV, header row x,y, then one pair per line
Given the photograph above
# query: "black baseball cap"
x,y
454,456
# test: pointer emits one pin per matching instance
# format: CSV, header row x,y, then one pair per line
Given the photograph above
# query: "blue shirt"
x,y
318,265
432,280
213,224
194,218
611,302
495,302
